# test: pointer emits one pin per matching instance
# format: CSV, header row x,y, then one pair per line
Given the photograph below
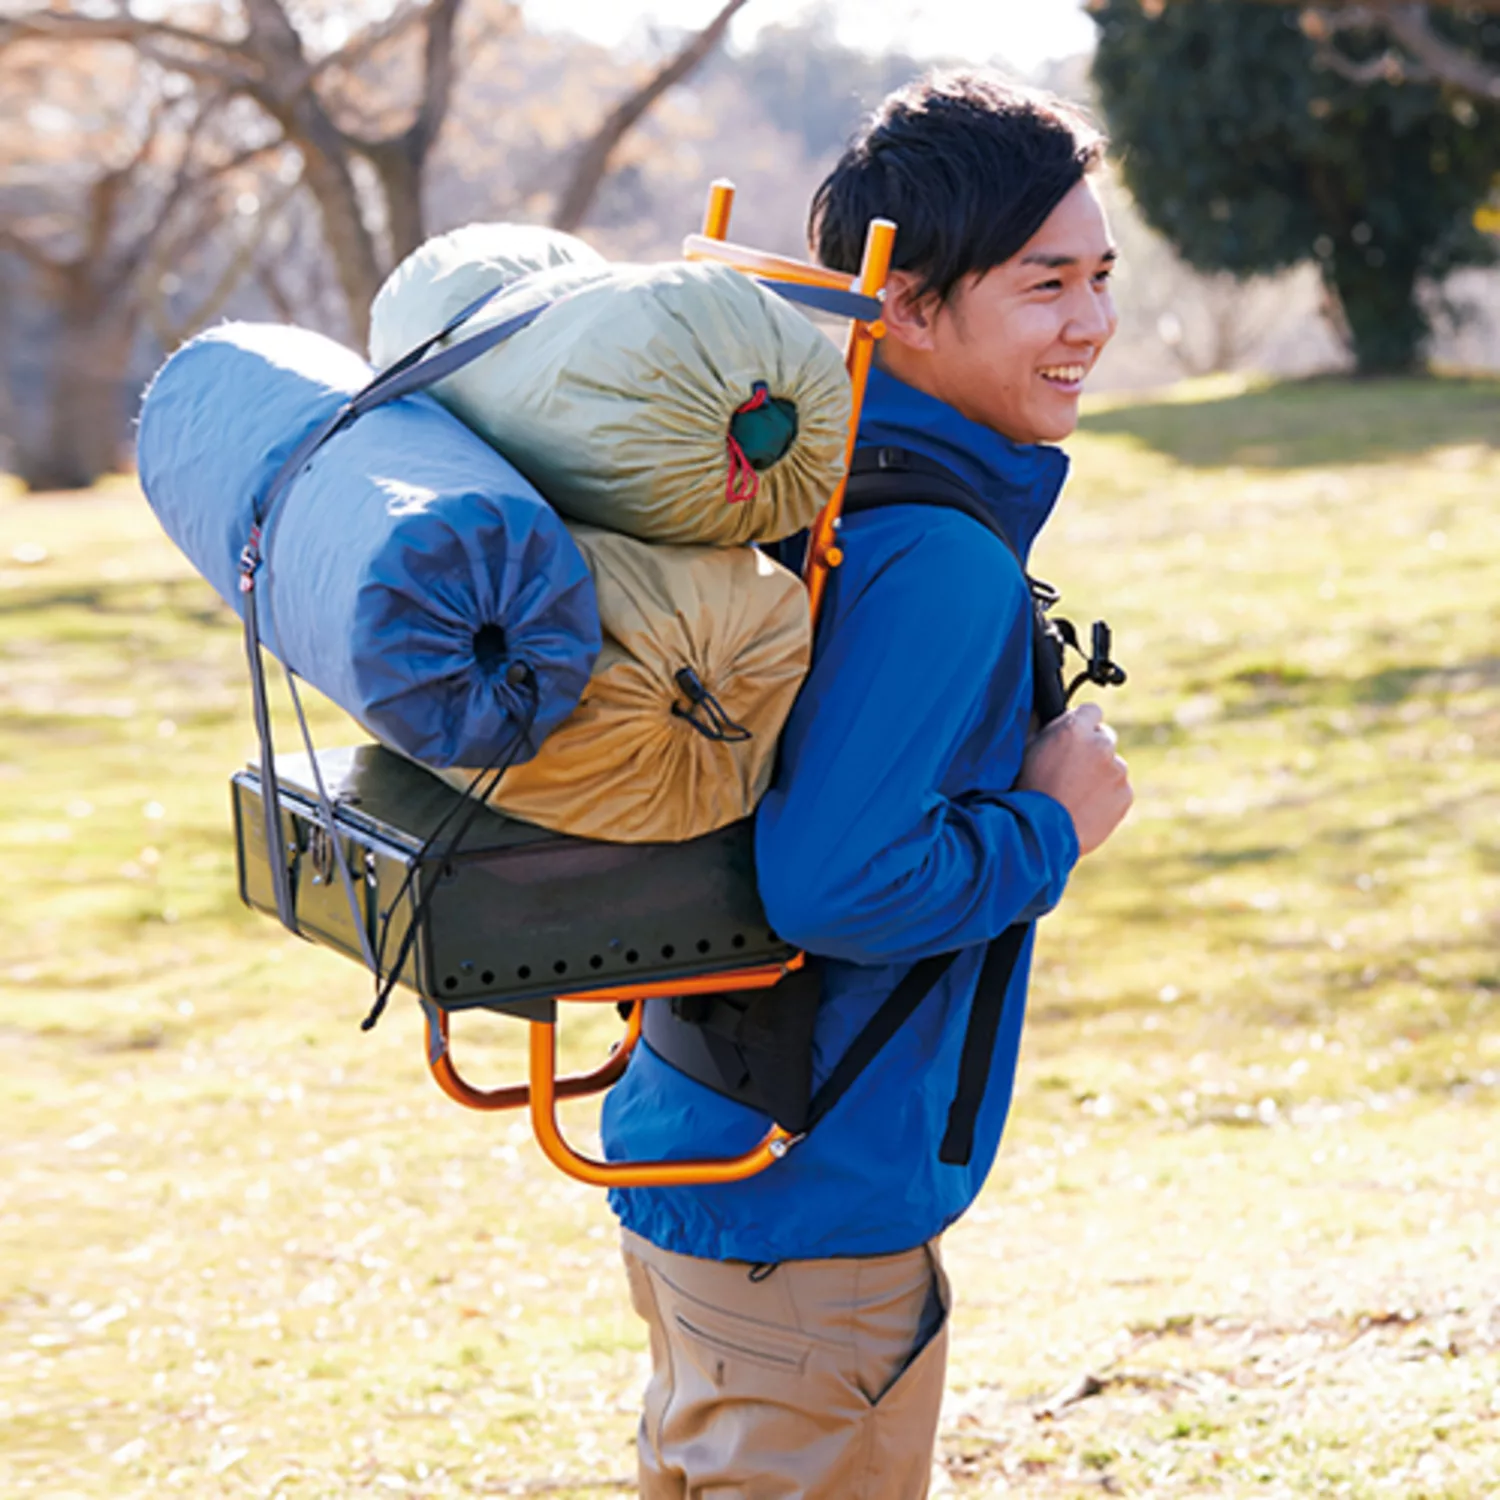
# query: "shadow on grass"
x,y
1298,688
1264,690
185,599
1302,424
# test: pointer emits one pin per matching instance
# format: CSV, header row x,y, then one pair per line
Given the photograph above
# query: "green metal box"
x,y
516,915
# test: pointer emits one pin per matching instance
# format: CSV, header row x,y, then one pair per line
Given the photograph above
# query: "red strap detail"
x,y
744,482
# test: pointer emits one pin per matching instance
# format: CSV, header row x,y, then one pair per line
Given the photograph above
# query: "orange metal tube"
x,y
720,205
588,1169
822,552
515,1095
763,263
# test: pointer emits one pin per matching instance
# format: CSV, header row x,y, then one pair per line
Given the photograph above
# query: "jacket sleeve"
x,y
859,854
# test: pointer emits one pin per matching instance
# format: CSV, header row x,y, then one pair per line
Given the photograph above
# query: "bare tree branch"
x,y
196,53
169,331
1417,53
359,47
187,186
593,160
400,159
1410,27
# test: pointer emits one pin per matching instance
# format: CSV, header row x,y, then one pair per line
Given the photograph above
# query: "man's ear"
x,y
910,315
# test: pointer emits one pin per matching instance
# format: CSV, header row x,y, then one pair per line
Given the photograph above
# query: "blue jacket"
x,y
891,832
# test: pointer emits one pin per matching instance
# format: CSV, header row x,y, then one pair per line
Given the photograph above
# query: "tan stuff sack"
x,y
639,761
677,403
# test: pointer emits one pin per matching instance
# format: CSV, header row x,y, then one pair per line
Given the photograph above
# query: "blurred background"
x,y
165,165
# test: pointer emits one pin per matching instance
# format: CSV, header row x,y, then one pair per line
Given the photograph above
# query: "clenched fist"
x,y
1073,760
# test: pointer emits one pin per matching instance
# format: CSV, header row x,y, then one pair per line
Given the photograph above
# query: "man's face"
x,y
1011,347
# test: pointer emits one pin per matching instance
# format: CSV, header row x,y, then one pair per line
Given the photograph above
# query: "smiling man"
x,y
917,828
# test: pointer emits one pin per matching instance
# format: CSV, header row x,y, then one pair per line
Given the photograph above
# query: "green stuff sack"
x,y
652,755
677,403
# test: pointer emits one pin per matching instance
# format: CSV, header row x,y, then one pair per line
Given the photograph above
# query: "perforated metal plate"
x,y
517,914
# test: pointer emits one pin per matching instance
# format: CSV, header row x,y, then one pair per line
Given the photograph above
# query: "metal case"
x,y
517,915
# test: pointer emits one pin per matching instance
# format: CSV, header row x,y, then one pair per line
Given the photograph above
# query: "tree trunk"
x,y
1376,292
400,173
351,246
88,399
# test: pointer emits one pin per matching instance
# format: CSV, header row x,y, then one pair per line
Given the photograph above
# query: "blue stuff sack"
x,y
408,568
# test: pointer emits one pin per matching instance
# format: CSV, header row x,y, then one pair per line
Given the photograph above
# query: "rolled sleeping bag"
x,y
704,651
411,574
677,403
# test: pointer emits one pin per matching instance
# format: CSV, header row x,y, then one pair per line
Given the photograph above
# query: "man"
x,y
798,1320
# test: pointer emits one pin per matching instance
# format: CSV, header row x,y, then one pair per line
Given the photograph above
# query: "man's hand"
x,y
1073,760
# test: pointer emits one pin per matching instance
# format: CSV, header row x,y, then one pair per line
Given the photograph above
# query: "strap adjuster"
x,y
250,561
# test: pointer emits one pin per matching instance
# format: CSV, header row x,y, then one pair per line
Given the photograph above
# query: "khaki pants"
x,y
814,1378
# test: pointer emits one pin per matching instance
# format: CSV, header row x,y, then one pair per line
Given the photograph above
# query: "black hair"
x,y
968,165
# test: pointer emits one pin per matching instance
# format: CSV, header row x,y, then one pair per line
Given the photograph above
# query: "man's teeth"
x,y
1068,373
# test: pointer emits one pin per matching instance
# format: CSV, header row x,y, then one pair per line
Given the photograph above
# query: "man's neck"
x,y
908,366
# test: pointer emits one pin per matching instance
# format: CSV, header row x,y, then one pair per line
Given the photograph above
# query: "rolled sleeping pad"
x,y
704,651
410,572
677,403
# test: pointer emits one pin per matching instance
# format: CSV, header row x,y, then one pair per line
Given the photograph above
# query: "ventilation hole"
x,y
450,983
560,967
524,972
631,956
595,962
488,977
668,951
704,945
738,940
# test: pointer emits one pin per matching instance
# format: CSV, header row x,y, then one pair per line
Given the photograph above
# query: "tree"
x,y
123,170
261,55
1250,158
1418,46
358,117
314,99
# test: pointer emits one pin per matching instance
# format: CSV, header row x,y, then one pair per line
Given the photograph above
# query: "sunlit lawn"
x,y
1243,1238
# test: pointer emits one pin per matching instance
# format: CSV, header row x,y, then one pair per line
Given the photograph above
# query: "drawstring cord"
x,y
744,482
716,725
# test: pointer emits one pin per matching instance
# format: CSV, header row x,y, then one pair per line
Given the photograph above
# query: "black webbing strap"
x,y
974,1063
912,989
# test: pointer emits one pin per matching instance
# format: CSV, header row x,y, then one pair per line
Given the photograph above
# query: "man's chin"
x,y
1054,426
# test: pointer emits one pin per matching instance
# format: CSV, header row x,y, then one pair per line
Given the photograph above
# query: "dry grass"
x,y
1243,1238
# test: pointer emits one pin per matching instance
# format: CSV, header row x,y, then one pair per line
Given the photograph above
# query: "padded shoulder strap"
x,y
896,476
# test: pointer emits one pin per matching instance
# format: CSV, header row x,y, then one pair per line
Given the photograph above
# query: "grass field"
x,y
1244,1236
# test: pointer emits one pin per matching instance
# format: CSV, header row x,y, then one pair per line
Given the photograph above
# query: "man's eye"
x,y
1101,277
1054,285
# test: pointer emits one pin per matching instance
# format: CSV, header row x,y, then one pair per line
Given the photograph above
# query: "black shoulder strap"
x,y
914,987
897,476
879,477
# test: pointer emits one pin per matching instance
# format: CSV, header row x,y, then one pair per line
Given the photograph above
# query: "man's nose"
x,y
1093,318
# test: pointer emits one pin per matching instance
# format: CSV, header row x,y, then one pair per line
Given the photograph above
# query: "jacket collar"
x,y
1020,482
